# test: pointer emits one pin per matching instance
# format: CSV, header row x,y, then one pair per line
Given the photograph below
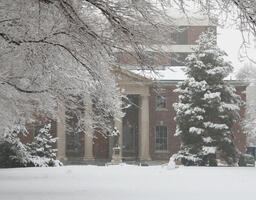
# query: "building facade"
x,y
147,130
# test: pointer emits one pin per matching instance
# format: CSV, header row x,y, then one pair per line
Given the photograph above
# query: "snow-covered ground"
x,y
127,182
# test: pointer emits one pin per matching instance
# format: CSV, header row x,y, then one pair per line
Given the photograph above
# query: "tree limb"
x,y
23,90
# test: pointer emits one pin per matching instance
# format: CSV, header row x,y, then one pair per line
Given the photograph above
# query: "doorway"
x,y
130,128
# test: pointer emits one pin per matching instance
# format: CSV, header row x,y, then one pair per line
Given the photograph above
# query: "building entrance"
x,y
130,129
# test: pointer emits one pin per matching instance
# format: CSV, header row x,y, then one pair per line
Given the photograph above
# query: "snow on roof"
x,y
170,74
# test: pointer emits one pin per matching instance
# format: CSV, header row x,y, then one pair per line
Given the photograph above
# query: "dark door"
x,y
74,138
74,145
100,146
74,135
130,129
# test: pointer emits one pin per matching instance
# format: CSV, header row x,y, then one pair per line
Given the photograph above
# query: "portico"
x,y
133,128
136,86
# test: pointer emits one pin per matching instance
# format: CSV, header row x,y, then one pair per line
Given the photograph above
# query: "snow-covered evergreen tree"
x,y
207,108
42,149
40,153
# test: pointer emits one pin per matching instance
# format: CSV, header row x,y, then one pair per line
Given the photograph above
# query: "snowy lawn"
x,y
127,182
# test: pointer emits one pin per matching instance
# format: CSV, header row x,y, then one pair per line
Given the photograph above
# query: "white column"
x,y
144,154
88,147
88,137
61,132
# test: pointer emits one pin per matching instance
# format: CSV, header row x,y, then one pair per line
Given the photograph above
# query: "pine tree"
x,y
42,149
207,108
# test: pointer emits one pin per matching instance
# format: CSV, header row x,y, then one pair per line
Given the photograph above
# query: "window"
x,y
131,58
37,129
161,102
147,58
178,59
214,28
181,36
161,138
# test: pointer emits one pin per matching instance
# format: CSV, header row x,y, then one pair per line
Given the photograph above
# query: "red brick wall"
x,y
28,138
240,137
194,32
165,118
126,58
100,146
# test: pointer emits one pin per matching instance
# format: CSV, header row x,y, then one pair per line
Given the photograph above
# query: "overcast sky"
x,y
230,41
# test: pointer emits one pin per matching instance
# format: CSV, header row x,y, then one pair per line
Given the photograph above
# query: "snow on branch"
x,y
57,52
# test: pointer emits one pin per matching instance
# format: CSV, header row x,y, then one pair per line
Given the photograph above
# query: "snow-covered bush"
x,y
207,108
40,153
13,153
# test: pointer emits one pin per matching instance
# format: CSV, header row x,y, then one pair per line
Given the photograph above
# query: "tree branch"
x,y
8,20
23,90
44,40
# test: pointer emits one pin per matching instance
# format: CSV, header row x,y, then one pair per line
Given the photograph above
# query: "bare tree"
x,y
55,51
243,12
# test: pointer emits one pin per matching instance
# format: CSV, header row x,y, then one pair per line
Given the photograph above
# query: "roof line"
x,y
230,81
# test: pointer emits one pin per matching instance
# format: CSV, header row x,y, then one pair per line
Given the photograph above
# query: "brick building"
x,y
147,130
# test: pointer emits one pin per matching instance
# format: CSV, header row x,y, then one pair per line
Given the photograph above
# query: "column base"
x,y
145,162
145,159
89,161
89,158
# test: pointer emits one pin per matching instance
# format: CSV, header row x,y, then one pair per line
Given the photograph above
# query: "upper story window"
x,y
147,58
180,44
178,59
214,28
130,58
161,102
37,130
181,36
161,138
